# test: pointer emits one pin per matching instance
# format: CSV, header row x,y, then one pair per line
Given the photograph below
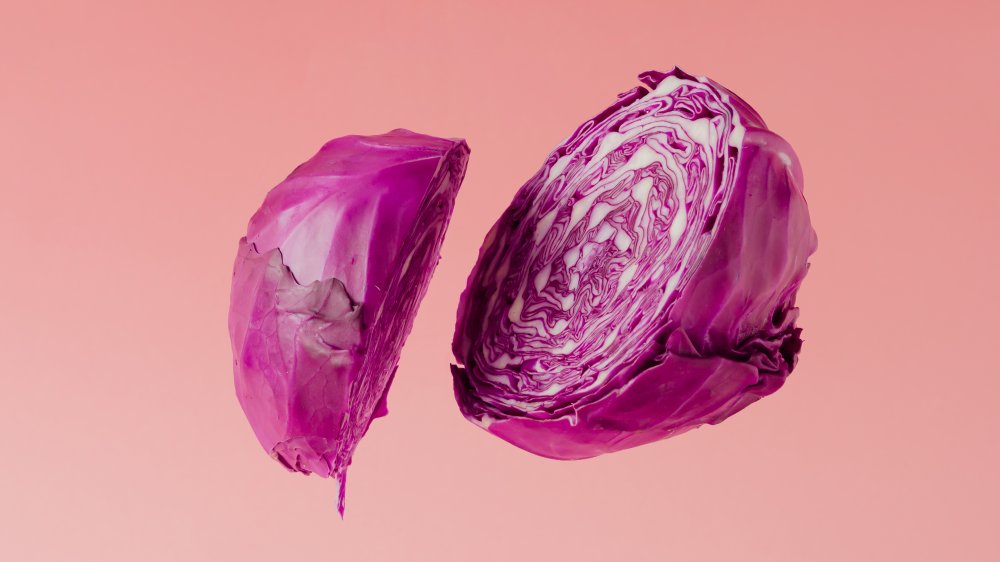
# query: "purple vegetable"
x,y
643,282
325,288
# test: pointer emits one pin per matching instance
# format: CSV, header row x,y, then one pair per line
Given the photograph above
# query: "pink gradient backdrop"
x,y
135,141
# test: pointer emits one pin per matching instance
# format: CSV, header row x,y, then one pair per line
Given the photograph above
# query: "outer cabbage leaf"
x,y
325,288
643,282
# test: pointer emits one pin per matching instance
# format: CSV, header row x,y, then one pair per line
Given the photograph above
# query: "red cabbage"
x,y
643,282
325,288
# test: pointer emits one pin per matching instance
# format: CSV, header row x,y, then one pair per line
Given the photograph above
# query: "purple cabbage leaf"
x,y
325,288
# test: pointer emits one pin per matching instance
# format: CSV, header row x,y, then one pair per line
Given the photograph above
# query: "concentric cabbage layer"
x,y
575,292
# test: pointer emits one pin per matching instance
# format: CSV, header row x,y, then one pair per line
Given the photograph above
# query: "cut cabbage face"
x,y
326,286
643,282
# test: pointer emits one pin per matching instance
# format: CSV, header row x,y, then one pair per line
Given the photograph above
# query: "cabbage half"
x,y
325,288
643,282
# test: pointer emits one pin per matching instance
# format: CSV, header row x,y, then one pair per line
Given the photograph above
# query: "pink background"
x,y
136,141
